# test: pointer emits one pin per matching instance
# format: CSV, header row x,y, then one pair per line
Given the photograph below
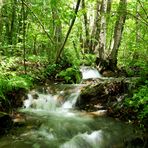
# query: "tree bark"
x,y
96,27
86,41
1,20
57,31
24,35
13,19
116,40
100,48
68,33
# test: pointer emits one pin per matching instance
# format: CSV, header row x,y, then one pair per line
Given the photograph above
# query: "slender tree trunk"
x,y
135,54
13,18
24,35
116,40
1,20
7,24
40,23
1,24
57,30
137,23
86,42
69,30
109,6
96,27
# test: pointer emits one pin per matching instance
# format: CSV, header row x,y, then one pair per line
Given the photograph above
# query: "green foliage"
x,y
139,102
89,59
13,83
52,69
3,87
17,82
71,75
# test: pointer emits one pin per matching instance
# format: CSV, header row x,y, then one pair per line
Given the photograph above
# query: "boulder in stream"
x,y
5,123
102,93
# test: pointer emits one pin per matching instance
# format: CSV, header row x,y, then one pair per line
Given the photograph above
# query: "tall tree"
x,y
94,37
13,20
116,40
69,30
101,47
57,27
86,25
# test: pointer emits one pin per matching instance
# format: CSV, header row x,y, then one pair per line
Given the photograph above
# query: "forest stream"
x,y
50,120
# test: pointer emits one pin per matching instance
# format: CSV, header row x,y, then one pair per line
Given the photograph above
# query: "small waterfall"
x,y
89,72
52,102
71,101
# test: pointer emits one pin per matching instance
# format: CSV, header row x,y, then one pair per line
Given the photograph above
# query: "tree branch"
x,y
69,30
142,8
39,22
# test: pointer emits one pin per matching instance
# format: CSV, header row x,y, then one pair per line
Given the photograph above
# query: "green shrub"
x,y
13,83
139,102
71,75
52,69
89,59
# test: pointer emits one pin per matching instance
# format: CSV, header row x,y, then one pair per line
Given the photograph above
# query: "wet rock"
x,y
19,119
136,143
108,73
105,93
5,123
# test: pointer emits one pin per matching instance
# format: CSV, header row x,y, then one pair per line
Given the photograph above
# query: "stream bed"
x,y
51,121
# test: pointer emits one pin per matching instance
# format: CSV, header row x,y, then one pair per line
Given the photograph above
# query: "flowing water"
x,y
89,72
51,121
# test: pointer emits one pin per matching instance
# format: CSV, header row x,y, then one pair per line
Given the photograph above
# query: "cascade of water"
x,y
52,123
71,101
29,101
49,102
89,72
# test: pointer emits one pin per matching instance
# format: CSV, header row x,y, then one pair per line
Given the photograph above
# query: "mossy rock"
x,y
103,92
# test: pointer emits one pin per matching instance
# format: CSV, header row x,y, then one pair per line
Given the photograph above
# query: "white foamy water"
x,y
29,101
71,101
88,73
92,140
45,102
49,102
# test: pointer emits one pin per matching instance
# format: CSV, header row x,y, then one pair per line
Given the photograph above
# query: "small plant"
x,y
89,59
71,75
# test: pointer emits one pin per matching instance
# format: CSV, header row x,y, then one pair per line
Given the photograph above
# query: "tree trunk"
x,y
24,35
57,28
1,20
137,23
86,41
100,48
69,30
135,54
13,18
116,40
96,27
